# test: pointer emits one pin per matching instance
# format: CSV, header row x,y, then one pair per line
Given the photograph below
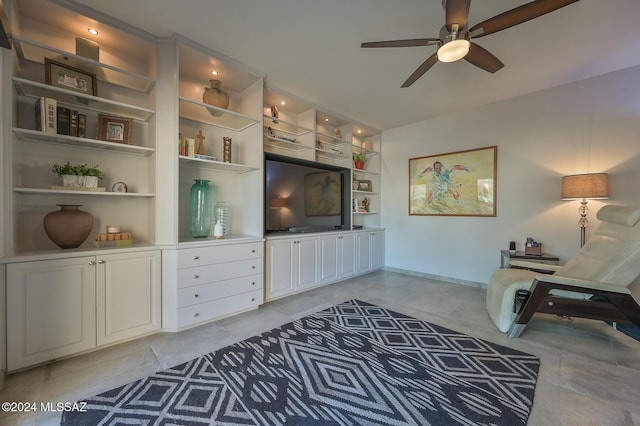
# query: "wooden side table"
x,y
506,256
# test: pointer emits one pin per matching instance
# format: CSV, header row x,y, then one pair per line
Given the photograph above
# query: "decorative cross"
x,y
200,138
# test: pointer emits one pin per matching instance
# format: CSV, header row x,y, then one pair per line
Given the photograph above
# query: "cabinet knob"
x,y
196,295
253,283
253,251
253,266
253,299
196,315
196,257
195,277
92,263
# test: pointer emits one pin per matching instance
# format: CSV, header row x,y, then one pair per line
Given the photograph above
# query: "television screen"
x,y
304,196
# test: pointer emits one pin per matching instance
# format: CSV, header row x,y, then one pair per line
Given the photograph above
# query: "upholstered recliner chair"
x,y
593,284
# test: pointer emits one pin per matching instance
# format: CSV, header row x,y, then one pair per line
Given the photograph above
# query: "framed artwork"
x,y
322,192
364,185
112,128
66,77
461,183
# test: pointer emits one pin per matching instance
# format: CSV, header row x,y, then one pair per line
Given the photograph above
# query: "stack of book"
x,y
54,119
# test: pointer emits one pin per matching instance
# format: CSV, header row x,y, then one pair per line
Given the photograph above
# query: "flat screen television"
x,y
305,196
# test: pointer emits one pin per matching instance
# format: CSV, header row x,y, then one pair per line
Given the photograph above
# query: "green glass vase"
x,y
200,209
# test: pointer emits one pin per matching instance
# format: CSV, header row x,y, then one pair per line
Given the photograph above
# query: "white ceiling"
x,y
311,48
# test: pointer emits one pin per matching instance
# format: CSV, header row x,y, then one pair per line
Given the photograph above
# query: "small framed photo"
x,y
67,77
364,185
112,128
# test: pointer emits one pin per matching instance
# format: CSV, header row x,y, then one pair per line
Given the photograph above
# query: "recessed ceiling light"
x,y
93,31
281,102
214,72
326,119
359,131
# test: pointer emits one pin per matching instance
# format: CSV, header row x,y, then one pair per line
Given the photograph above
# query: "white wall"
x,y
588,126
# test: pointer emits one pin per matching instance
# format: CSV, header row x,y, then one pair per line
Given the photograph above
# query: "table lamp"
x,y
594,186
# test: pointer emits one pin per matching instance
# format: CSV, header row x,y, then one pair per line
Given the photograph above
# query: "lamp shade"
x,y
589,185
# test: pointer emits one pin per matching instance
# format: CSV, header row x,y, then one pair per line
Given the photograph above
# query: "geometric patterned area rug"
x,y
354,363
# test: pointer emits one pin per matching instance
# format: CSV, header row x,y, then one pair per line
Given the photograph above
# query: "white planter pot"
x,y
73,180
91,181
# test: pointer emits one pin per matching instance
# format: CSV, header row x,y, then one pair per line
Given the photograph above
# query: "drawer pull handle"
x,y
195,277
196,257
196,295
101,262
92,263
196,315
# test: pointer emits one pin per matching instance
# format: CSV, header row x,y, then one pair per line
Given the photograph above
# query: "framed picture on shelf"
x,y
364,185
67,77
112,128
461,183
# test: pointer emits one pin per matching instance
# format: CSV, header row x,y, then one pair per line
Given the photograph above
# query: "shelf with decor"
x,y
36,90
285,127
219,120
106,93
286,144
39,136
200,112
216,165
82,192
35,51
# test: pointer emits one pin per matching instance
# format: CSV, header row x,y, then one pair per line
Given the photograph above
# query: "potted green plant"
x,y
79,175
358,160
92,176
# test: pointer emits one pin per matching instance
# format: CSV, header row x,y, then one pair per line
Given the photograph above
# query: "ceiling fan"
x,y
454,41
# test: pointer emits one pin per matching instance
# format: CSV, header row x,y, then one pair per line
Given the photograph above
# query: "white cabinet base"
x,y
128,296
62,307
298,263
50,311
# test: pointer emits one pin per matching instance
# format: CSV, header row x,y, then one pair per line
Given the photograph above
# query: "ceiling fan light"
x,y
453,50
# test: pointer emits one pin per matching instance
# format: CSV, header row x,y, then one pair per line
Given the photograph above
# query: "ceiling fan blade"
x,y
482,58
402,43
426,65
457,12
516,16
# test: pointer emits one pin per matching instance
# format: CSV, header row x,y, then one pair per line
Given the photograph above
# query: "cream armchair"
x,y
593,284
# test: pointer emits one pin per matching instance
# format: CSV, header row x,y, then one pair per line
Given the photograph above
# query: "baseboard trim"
x,y
437,277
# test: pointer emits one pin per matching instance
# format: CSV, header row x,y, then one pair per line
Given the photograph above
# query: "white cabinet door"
x,y
347,255
280,268
128,295
329,252
363,252
50,310
377,249
307,262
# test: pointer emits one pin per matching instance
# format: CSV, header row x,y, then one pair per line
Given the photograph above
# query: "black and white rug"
x,y
352,364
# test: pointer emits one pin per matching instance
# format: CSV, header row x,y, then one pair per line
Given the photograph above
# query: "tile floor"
x,y
589,375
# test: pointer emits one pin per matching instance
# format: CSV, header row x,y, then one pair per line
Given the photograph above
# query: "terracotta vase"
x,y
214,95
68,227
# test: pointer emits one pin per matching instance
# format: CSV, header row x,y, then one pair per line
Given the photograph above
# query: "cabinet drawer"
x,y
219,272
207,292
188,258
196,314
